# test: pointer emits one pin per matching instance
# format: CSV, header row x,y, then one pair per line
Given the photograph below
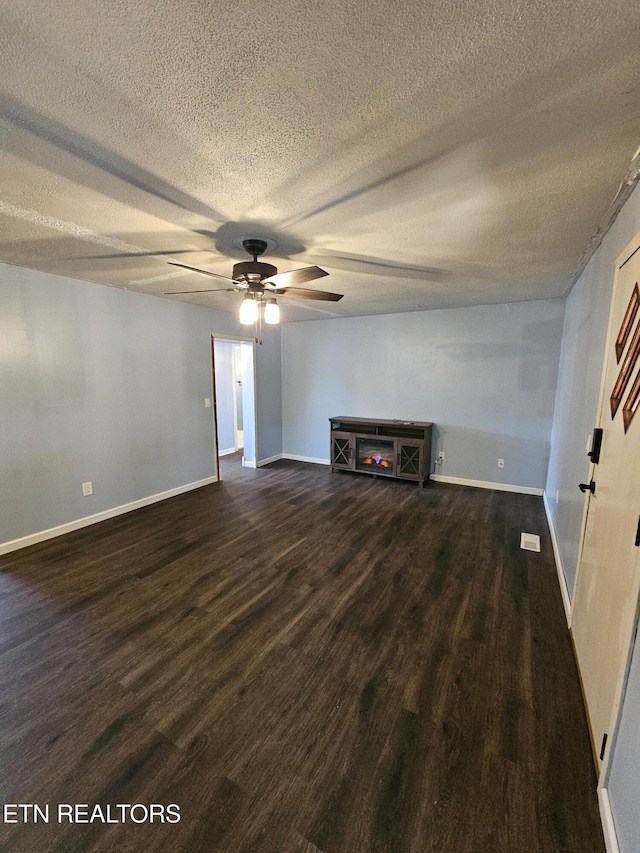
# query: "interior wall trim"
x,y
481,484
608,826
564,589
458,481
269,460
227,452
60,530
315,460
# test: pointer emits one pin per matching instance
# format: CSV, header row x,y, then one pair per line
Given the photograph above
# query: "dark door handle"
x,y
596,445
588,487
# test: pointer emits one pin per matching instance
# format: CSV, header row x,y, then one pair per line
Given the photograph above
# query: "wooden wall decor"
x,y
627,323
631,406
629,363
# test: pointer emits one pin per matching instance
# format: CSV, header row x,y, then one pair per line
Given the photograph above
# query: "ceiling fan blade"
x,y
307,293
293,277
206,272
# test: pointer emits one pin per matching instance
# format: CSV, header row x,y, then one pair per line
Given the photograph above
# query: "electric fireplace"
x,y
381,448
375,455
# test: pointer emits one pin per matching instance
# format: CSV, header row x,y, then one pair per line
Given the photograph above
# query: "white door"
x,y
608,582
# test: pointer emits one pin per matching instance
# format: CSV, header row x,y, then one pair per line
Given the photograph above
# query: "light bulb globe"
x,y
272,312
248,311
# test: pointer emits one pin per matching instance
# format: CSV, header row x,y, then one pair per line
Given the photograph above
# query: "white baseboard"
x,y
227,452
564,589
249,463
314,460
60,530
608,826
269,460
459,481
481,484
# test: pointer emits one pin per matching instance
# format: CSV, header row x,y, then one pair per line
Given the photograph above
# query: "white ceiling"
x,y
427,154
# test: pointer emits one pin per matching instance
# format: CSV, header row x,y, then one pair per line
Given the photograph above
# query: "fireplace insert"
x,y
375,455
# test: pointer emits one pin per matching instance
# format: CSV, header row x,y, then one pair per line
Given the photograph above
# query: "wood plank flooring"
x,y
304,662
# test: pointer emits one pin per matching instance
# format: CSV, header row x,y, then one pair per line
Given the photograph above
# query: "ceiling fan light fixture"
x,y
256,279
248,310
271,312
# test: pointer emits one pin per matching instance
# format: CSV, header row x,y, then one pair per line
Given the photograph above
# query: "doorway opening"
x,y
234,410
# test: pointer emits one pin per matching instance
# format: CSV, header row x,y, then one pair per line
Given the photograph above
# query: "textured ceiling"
x,y
426,154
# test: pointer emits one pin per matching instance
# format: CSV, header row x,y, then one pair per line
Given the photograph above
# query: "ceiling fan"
x,y
258,280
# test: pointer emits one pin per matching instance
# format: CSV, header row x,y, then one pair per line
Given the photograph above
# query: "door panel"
x,y
342,446
409,459
606,595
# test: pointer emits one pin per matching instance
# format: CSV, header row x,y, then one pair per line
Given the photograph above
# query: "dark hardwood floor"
x,y
304,663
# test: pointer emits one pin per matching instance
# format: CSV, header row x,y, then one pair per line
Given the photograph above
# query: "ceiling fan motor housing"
x,y
253,272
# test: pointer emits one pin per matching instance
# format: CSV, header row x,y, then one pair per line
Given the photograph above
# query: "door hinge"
x,y
638,535
604,746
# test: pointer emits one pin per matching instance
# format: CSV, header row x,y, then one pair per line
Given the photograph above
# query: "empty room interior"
x,y
319,464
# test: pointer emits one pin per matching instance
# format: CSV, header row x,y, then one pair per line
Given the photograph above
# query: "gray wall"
x,y
269,394
583,343
248,391
105,385
224,395
486,376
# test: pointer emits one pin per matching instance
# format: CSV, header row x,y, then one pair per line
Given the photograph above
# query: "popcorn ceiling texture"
x,y
479,142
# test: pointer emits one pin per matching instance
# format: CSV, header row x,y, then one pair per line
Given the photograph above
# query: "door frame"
x,y
603,770
254,411
234,383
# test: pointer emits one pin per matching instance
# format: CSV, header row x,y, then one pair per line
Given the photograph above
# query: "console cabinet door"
x,y
342,450
409,459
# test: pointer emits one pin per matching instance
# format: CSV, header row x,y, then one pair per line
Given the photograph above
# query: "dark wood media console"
x,y
399,449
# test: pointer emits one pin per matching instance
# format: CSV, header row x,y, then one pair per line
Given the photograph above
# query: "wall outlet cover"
x,y
87,489
207,402
500,463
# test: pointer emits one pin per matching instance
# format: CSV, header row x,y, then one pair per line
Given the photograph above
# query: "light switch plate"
x,y
207,402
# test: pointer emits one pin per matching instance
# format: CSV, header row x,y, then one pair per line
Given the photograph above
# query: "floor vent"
x,y
530,542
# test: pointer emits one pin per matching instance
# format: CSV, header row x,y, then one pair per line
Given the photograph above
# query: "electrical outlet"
x,y
440,455
87,489
207,402
500,463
